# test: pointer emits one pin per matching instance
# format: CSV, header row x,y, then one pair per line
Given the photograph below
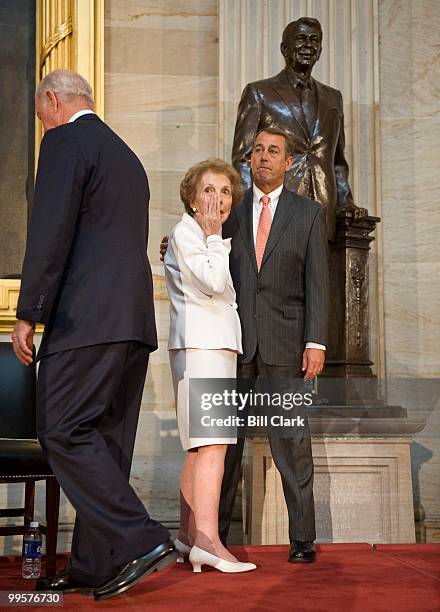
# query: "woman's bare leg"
x,y
187,526
207,478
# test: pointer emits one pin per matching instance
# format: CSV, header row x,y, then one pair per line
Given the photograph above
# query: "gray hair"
x,y
66,84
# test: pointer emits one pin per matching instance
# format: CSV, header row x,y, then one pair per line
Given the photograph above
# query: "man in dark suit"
x,y
87,278
311,113
279,268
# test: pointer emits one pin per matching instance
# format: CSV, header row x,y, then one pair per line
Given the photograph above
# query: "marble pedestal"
x,y
363,491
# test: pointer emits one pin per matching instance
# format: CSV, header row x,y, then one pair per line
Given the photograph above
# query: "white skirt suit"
x,y
205,331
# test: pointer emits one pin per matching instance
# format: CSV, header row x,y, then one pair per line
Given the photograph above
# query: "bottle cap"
x,y
34,524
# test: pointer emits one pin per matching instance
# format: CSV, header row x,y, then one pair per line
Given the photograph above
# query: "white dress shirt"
x,y
274,196
80,113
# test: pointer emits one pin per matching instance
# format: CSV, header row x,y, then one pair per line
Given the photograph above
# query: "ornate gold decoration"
x,y
63,30
9,290
68,34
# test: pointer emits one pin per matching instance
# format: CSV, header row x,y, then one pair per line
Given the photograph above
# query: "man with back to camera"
x,y
87,278
279,267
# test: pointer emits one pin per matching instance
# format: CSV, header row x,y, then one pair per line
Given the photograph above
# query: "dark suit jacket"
x,y
319,154
86,274
286,303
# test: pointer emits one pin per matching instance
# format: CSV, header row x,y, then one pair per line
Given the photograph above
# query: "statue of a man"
x,y
311,113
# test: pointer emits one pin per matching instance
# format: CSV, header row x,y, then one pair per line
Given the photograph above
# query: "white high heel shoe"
x,y
182,549
199,557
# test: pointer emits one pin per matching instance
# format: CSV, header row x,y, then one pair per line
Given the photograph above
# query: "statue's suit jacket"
x,y
86,274
319,165
285,304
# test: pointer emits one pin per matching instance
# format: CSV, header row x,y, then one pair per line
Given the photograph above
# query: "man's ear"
x,y
283,49
52,100
289,163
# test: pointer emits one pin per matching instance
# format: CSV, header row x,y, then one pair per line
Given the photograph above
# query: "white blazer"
x,y
203,311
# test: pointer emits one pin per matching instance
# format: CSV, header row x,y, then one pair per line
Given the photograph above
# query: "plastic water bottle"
x,y
31,567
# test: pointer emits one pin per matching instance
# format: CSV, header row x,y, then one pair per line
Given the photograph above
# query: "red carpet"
x,y
346,577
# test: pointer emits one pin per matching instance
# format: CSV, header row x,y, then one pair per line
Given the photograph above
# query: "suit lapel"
x,y
290,97
245,220
284,212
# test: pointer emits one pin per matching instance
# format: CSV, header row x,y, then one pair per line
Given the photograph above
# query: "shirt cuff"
x,y
315,345
214,238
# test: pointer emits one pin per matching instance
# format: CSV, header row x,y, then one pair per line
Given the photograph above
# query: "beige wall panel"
x,y
152,142
411,190
181,99
410,133
412,311
409,57
177,52
164,188
150,14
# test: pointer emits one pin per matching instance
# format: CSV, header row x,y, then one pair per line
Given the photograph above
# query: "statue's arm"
x,y
248,119
345,197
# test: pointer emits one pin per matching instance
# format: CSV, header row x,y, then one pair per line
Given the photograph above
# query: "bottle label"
x,y
32,549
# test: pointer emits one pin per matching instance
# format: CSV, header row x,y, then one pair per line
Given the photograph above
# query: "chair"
x,y
21,456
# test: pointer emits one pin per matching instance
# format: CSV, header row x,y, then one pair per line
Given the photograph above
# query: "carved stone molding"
x,y
363,492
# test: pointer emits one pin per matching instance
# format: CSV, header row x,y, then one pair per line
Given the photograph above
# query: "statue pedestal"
x,y
362,487
348,346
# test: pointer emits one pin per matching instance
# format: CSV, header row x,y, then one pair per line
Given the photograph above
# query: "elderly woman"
x,y
205,337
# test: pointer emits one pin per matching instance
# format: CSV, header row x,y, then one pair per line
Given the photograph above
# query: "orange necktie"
x,y
264,223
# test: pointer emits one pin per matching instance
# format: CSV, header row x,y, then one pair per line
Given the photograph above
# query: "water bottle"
x,y
31,567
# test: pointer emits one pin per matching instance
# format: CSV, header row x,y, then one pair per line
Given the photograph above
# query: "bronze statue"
x,y
311,113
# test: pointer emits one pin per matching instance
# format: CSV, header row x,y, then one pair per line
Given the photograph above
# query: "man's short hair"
x,y
290,145
293,26
190,182
66,84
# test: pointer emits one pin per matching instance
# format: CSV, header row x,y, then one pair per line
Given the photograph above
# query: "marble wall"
x,y
409,64
410,135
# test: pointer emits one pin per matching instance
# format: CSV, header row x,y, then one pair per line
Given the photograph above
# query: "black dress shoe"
x,y
157,559
302,552
62,582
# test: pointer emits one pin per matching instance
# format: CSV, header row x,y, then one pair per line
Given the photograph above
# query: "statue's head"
x,y
301,44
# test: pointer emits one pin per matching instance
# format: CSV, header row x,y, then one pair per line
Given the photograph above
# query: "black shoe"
x,y
302,552
62,582
159,558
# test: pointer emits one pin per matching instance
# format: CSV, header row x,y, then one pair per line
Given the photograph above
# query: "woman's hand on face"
x,y
210,220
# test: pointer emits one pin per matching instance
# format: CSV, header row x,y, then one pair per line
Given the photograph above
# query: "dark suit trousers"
x,y
292,457
88,402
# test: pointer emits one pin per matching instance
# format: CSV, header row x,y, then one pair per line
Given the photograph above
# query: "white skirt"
x,y
198,363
